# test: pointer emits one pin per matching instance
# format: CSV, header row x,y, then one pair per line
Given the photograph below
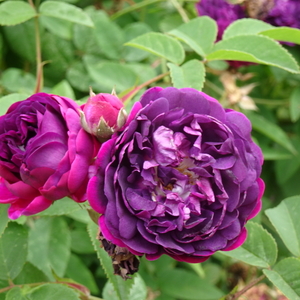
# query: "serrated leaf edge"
x,y
269,64
265,271
289,216
133,44
272,238
109,276
244,20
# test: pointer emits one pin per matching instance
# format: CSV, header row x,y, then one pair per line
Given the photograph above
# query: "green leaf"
x,y
49,245
295,104
144,71
250,26
16,80
170,22
53,292
1,47
275,154
63,88
257,49
80,215
61,207
138,290
285,277
284,34
65,11
15,12
79,78
133,7
191,74
106,261
245,26
21,39
259,249
81,242
182,284
59,27
79,272
16,293
84,39
289,167
285,219
13,251
200,34
30,274
109,75
60,56
3,215
271,130
160,45
108,35
132,31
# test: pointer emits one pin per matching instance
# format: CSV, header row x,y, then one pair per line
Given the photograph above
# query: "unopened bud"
x,y
102,115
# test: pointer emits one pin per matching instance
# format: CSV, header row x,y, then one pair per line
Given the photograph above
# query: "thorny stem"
x,y
3,290
180,10
39,64
270,102
138,6
139,87
245,289
214,87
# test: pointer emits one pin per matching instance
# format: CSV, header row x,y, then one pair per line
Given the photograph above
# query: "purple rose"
x,y
284,13
181,178
275,12
44,154
221,11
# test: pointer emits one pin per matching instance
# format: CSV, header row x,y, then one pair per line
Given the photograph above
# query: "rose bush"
x,y
44,154
180,178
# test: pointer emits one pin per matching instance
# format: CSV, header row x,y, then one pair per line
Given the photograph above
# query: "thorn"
x,y
92,94
113,92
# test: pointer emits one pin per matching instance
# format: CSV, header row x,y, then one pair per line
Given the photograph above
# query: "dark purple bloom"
x,y
44,154
284,13
181,178
221,11
274,12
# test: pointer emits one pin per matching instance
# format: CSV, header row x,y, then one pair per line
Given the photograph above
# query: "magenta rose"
x,y
181,178
44,154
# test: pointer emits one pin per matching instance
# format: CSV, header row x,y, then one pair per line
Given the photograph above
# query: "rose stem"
x,y
245,289
129,95
180,10
39,64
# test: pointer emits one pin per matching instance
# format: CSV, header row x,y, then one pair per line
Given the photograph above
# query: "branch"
x,y
245,289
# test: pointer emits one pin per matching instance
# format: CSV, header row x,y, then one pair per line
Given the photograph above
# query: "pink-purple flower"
x,y
181,178
44,154
102,115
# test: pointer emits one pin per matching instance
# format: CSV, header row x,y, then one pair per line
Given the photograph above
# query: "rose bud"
x,y
44,154
102,115
181,178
